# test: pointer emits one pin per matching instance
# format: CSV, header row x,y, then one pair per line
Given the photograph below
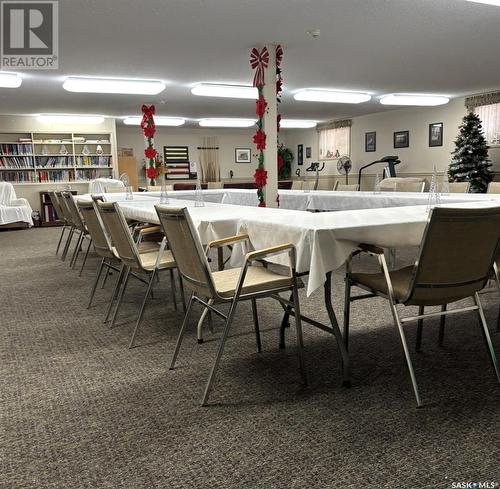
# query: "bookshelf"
x,y
48,215
51,157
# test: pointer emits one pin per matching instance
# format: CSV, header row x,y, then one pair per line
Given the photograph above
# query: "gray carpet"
x,y
80,410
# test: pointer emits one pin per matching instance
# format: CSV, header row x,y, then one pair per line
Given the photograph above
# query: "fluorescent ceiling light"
x,y
487,2
113,85
226,122
297,124
335,96
408,99
159,121
230,91
69,119
10,80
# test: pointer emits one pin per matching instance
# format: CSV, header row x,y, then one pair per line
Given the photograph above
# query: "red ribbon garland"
x,y
259,60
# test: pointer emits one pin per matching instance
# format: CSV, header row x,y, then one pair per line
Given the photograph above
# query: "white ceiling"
x,y
381,46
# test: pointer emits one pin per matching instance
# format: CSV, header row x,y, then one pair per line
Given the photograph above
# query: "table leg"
x,y
336,331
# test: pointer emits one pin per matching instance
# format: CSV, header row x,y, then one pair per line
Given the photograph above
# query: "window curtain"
x,y
479,100
490,117
334,142
209,159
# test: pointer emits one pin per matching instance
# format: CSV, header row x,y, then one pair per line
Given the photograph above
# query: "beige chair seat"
x,y
376,281
148,260
144,247
401,282
257,279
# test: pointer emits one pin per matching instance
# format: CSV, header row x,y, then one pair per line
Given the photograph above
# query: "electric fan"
x,y
344,167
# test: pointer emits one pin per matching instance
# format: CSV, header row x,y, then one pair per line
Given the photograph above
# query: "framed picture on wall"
x,y
436,134
370,142
243,155
308,152
401,139
300,154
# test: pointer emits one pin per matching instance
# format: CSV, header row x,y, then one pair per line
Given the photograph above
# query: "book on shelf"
x,y
16,162
55,176
53,161
16,149
18,177
88,160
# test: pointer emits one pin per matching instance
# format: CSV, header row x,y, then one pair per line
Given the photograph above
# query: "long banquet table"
x,y
323,240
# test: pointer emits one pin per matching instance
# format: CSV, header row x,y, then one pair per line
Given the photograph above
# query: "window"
x,y
334,143
490,117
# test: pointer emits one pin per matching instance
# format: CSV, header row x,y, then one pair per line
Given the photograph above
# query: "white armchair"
x,y
13,210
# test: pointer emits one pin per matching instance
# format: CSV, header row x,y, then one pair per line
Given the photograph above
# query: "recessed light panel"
x,y
113,85
226,122
297,124
487,2
70,119
159,121
332,96
10,80
226,91
409,99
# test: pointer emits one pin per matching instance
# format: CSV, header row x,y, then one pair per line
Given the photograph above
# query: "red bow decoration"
x,y
279,54
260,107
148,111
259,140
260,177
259,60
151,173
150,153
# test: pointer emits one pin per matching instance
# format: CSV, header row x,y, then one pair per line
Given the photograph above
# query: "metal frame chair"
x,y
344,187
493,188
157,188
149,263
456,255
459,187
69,222
226,286
296,185
60,214
215,185
80,227
402,186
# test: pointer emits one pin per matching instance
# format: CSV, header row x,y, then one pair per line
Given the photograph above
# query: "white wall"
x,y
418,159
229,139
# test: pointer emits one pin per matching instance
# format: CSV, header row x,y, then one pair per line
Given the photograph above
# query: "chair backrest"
x,y
187,250
459,187
343,187
296,185
114,190
64,207
116,225
215,185
57,205
409,187
7,193
157,188
76,218
389,184
456,255
493,188
102,243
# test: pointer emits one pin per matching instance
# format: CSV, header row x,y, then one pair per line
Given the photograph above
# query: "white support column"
x,y
270,128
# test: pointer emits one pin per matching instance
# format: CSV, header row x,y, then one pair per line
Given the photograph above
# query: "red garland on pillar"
x,y
149,129
259,60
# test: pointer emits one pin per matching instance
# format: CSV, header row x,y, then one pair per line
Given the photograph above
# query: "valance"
x,y
334,124
484,99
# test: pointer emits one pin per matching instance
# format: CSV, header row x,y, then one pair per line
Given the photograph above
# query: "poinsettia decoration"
x,y
149,129
259,60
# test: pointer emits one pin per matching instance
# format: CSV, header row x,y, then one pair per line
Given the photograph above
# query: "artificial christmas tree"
x,y
470,159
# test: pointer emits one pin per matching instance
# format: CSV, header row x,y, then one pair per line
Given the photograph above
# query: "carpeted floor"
x,y
80,410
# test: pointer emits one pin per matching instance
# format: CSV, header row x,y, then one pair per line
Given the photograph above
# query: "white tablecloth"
x,y
335,201
323,240
233,196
